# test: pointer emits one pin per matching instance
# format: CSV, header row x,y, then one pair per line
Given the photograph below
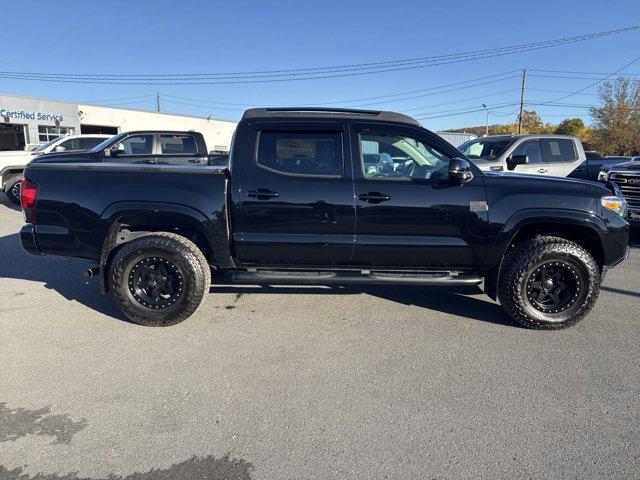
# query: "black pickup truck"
x,y
327,196
161,147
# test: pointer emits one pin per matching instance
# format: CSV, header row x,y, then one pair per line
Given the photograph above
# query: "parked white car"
x,y
538,154
12,163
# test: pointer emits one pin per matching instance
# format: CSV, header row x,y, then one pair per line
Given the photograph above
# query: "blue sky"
x,y
161,36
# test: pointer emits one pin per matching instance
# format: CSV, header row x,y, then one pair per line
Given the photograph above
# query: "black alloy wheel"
x,y
554,287
156,282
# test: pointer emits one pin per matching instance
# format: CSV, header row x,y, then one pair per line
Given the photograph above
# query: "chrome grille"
x,y
629,184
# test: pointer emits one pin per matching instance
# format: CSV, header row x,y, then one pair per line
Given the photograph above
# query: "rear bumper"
x,y
28,240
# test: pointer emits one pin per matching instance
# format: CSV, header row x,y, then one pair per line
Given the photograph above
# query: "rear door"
x,y
295,196
560,155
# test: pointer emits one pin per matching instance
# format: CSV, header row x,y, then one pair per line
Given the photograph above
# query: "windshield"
x,y
106,143
484,148
41,148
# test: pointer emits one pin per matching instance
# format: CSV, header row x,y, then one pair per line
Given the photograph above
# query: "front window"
x,y
531,148
137,145
387,156
484,148
47,133
42,148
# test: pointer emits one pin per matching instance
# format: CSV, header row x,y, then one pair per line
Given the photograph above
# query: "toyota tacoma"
x,y
326,196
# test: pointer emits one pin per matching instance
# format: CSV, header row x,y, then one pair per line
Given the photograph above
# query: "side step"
x,y
277,277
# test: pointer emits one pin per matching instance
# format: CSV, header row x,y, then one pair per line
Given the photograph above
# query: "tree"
x,y
531,122
571,126
616,124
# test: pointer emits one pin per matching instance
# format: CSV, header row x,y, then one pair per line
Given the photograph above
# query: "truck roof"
x,y
326,113
514,136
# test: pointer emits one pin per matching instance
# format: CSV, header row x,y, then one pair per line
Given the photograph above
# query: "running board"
x,y
275,277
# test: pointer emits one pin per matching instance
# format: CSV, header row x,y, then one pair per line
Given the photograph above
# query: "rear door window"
x,y
178,145
301,153
558,150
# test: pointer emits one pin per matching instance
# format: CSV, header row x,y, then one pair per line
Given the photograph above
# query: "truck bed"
x,y
79,202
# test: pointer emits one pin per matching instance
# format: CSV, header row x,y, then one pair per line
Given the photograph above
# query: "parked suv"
x,y
549,155
326,196
12,163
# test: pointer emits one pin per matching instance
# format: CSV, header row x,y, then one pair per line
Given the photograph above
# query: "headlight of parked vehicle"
x,y
615,204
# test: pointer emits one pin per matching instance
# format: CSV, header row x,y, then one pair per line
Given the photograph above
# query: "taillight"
x,y
28,193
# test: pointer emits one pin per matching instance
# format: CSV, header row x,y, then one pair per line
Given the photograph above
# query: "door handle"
x,y
374,197
542,170
263,194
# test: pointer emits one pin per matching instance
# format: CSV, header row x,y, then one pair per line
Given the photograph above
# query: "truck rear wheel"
x,y
159,279
549,283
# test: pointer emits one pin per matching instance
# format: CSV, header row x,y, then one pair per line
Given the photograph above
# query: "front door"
x,y
536,164
295,196
408,213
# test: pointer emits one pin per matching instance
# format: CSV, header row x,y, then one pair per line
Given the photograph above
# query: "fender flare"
x,y
525,218
214,230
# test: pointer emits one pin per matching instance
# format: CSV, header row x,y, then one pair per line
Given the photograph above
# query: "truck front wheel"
x,y
159,279
549,283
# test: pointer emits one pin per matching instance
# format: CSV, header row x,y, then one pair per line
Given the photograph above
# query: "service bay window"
x,y
47,133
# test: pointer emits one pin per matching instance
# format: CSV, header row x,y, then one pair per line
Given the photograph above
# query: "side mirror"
x,y
514,160
459,170
117,149
59,148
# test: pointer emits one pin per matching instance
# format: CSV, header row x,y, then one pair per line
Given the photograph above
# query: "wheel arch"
x,y
583,228
129,220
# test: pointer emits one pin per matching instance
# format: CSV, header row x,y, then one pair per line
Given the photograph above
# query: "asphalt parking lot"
x,y
272,383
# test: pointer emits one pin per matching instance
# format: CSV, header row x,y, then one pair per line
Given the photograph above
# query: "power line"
x,y
336,102
578,73
313,73
426,107
116,99
595,83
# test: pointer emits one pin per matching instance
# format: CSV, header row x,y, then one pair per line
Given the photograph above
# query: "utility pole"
x,y
486,131
157,101
524,77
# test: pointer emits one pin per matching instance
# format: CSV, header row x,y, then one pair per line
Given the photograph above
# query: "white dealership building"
x,y
27,120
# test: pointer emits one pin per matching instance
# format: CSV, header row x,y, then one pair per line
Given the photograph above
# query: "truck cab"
x,y
534,154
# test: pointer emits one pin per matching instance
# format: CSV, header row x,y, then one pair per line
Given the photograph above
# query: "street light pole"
x,y
486,132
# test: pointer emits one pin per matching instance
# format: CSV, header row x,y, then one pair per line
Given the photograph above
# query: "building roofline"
x,y
78,104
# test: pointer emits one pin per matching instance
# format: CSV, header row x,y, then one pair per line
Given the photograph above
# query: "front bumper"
x,y
28,240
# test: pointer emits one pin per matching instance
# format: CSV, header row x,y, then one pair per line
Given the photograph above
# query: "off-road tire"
x,y
523,260
12,189
183,254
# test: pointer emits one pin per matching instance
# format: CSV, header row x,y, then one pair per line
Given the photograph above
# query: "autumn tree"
x,y
616,123
570,126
